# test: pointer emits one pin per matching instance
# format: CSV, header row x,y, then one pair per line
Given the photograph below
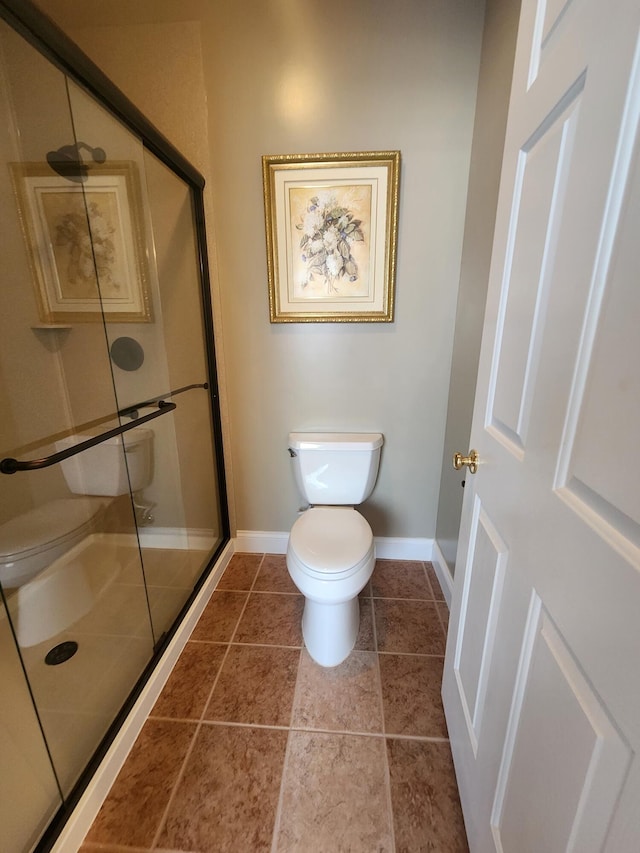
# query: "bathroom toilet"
x,y
331,554
32,541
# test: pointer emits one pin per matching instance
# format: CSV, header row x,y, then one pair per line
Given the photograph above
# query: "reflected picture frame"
x,y
85,242
331,229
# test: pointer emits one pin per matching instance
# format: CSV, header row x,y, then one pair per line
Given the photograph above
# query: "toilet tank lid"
x,y
335,440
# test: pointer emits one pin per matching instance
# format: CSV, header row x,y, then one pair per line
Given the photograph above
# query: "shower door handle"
x,y
10,466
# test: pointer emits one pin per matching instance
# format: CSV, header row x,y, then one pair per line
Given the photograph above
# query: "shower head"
x,y
66,161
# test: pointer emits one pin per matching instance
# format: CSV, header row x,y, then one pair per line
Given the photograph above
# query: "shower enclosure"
x,y
112,498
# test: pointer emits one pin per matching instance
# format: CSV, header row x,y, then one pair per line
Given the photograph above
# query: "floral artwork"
x,y
85,242
331,227
333,250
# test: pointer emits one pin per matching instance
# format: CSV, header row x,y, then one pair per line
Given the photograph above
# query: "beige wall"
x,y
494,86
286,77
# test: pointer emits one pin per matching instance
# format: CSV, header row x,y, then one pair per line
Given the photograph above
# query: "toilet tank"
x,y
101,470
335,468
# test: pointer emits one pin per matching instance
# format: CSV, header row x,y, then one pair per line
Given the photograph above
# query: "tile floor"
x,y
252,746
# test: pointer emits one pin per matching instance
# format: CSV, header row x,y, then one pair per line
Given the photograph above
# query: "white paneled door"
x,y
542,673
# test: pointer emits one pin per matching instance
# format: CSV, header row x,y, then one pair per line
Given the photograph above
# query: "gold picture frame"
x,y
331,227
85,242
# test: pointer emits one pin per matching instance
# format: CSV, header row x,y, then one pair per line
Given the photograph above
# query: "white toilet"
x,y
49,595
331,555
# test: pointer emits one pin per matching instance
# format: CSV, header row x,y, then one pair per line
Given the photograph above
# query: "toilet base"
x,y
330,630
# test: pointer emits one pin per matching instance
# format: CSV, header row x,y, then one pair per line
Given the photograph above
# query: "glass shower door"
x,y
106,357
70,569
158,349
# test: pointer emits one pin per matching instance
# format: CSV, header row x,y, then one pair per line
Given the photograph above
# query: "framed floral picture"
x,y
331,225
85,242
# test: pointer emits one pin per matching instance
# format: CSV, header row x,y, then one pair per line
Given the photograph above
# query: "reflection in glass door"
x,y
105,367
70,570
138,207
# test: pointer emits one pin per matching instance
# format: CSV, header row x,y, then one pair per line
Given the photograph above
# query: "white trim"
x,y
261,542
387,547
442,571
397,548
96,792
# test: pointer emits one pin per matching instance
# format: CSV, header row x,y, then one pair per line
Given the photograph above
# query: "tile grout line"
x,y
285,763
444,630
385,757
411,654
429,584
199,723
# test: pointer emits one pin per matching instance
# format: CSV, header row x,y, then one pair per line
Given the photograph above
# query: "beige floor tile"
x,y
408,626
411,686
272,619
400,579
426,805
132,812
241,572
220,617
341,698
227,797
334,795
256,686
274,575
189,685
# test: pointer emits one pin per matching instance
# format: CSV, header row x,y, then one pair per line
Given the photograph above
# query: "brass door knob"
x,y
459,461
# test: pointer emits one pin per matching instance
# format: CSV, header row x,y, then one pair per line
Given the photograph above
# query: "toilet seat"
x,y
42,530
331,543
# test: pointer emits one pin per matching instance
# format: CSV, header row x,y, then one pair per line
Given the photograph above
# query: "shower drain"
x,y
61,653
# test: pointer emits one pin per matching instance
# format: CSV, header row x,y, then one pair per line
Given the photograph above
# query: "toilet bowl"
x,y
331,553
330,558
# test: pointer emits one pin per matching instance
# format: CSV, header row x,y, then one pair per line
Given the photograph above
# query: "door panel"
x,y
554,765
591,471
538,201
563,757
481,599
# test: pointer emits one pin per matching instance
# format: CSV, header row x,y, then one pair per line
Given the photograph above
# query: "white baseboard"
x,y
89,804
442,571
387,547
399,548
261,542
